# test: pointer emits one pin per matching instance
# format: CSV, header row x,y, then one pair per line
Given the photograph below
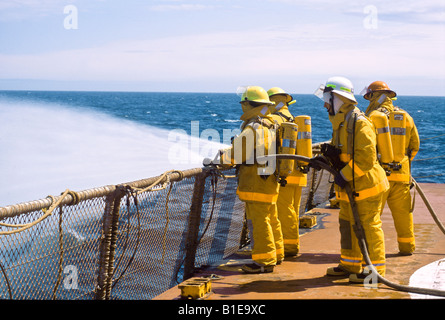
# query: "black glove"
x,y
333,155
340,181
315,165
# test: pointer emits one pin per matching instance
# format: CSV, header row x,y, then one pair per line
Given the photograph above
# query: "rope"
x,y
125,246
59,275
214,193
137,240
154,184
135,191
47,213
151,187
107,243
167,221
6,279
433,175
113,234
215,173
440,135
429,158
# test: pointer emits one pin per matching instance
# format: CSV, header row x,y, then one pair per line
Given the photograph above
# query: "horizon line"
x,y
178,91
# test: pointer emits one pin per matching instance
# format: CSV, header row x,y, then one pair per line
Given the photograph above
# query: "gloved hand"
x,y
340,181
315,165
333,155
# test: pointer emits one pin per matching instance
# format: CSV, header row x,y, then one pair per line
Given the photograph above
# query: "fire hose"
x,y
428,205
358,228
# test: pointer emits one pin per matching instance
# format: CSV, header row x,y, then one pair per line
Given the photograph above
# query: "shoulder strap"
x,y
385,111
263,121
289,119
351,118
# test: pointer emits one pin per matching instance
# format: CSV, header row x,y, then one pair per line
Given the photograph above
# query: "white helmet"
x,y
338,85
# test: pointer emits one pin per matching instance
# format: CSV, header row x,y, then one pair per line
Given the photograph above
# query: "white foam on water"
x,y
48,148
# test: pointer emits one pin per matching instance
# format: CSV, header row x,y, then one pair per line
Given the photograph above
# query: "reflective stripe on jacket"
x,y
412,141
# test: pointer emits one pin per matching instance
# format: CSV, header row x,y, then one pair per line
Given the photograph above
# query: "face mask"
x,y
337,103
328,103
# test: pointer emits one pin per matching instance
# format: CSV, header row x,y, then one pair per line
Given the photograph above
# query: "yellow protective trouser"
x,y
265,233
288,205
398,198
351,256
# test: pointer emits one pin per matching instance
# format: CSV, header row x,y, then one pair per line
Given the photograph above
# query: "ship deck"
x,y
304,276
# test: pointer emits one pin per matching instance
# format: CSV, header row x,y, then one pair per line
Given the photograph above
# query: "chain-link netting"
x,y
154,260
56,258
60,257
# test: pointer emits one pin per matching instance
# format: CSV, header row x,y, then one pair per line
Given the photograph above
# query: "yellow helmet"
x,y
278,91
254,94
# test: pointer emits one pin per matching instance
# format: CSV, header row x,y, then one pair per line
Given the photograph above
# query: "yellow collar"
x,y
260,111
379,102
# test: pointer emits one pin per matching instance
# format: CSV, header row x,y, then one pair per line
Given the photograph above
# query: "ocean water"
x,y
51,141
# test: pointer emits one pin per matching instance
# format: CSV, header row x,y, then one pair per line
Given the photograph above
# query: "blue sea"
x,y
51,140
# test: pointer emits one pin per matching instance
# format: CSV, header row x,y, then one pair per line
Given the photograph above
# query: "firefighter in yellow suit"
x,y
257,183
289,197
354,155
398,197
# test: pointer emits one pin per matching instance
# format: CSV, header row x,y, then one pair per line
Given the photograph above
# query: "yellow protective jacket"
x,y
357,142
412,141
256,181
296,178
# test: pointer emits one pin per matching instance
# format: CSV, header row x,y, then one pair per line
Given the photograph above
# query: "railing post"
x,y
193,224
107,245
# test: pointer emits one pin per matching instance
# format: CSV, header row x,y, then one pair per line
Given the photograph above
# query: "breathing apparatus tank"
x,y
384,143
397,123
304,141
287,144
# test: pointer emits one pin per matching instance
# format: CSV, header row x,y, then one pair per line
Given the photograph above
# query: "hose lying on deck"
x,y
358,229
428,205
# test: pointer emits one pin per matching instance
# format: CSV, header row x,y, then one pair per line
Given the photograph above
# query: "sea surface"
x,y
51,141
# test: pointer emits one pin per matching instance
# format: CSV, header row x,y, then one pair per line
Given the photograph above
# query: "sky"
x,y
216,46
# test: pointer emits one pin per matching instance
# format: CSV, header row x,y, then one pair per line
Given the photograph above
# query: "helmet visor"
x,y
241,90
319,92
364,91
323,92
